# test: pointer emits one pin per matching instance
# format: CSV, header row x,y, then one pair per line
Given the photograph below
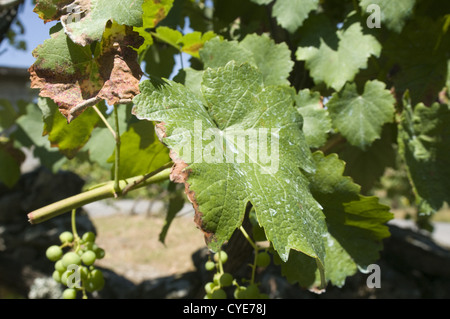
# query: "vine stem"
x,y
74,225
108,126
117,154
256,248
104,191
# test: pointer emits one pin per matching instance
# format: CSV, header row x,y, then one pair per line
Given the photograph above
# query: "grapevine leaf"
x,y
335,56
140,152
7,114
222,177
29,133
317,122
419,58
10,160
85,21
424,144
176,203
360,118
194,41
290,14
273,60
356,227
76,74
190,43
68,138
153,12
394,14
367,166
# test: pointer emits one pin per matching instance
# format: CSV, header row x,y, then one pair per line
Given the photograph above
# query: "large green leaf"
x,y
360,117
424,143
356,227
335,56
224,173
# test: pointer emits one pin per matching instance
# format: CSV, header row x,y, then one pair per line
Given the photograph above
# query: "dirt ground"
x,y
134,251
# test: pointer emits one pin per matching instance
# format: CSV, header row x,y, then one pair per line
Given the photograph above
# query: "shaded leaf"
x,y
10,160
424,144
393,14
360,117
419,58
356,224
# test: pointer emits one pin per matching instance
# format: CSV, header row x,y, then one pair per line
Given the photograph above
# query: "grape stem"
x,y
256,249
117,154
74,226
102,192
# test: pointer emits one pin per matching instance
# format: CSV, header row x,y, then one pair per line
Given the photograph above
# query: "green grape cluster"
x,y
215,289
74,267
221,280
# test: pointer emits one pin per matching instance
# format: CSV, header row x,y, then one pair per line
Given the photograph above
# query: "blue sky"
x,y
36,31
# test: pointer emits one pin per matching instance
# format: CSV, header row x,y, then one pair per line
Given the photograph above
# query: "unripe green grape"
x,y
219,294
226,279
66,237
95,281
209,286
262,259
84,272
69,293
210,265
88,237
239,292
65,275
223,256
88,257
99,253
71,258
59,266
54,253
252,292
56,276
